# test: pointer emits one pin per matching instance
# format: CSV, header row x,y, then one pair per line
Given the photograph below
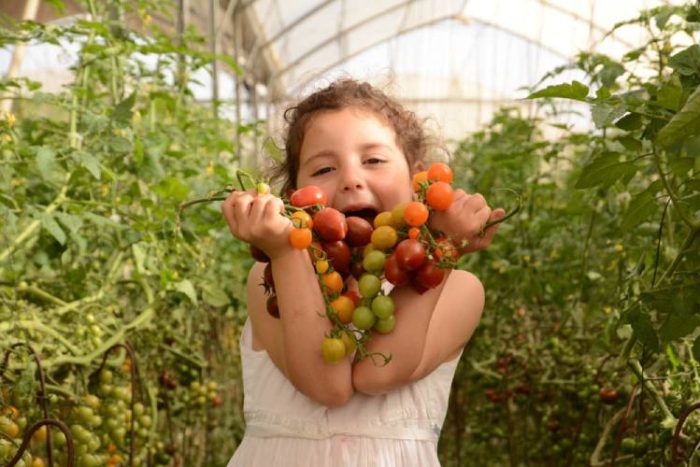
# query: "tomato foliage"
x,y
590,334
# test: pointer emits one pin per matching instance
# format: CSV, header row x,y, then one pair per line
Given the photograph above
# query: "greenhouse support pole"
x,y
31,7
214,38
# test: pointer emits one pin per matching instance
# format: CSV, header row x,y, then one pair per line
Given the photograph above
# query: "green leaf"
x,y
214,295
684,124
681,166
576,90
640,208
172,188
90,162
630,122
686,62
139,253
605,170
50,170
696,349
630,143
662,18
186,287
669,96
71,222
50,224
604,114
678,325
122,112
102,221
643,330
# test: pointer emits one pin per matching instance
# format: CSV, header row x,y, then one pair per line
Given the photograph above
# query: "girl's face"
x,y
352,155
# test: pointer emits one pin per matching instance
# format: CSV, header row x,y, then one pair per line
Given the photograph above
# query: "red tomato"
x,y
410,254
393,272
429,275
272,306
308,196
359,231
268,280
330,224
258,254
339,255
415,214
353,295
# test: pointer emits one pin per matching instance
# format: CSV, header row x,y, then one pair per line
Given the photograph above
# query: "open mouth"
x,y
367,214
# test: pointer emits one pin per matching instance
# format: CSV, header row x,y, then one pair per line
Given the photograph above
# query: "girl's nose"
x,y
352,180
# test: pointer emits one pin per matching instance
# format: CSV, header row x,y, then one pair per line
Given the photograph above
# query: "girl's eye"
x,y
321,171
374,160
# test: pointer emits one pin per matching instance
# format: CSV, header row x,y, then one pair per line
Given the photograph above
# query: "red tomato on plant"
x,y
429,275
440,172
410,254
330,224
339,255
359,231
415,214
393,272
308,196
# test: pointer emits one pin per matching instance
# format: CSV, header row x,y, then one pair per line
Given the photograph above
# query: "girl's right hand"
x,y
256,219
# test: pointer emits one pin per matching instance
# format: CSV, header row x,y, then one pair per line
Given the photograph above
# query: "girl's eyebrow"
x,y
371,146
322,153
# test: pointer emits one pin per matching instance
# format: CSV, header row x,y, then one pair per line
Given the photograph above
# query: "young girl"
x,y
361,148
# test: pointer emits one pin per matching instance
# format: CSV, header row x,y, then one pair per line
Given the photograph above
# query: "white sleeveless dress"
x,y
285,428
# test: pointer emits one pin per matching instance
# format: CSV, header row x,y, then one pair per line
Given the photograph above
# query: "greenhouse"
x,y
499,202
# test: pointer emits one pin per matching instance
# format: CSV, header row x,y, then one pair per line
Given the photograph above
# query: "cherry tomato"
x,y
384,237
374,261
300,238
268,280
608,395
440,172
439,196
322,266
330,224
369,285
446,250
397,215
385,325
418,179
383,218
272,306
359,231
338,255
363,318
415,214
343,306
353,295
410,254
429,275
332,350
349,342
393,272
308,196
333,281
383,306
302,220
413,233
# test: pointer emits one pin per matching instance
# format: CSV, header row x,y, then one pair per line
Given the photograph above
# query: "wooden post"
x,y
31,7
214,39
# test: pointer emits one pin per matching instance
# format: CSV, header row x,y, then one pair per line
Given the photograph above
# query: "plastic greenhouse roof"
x,y
455,60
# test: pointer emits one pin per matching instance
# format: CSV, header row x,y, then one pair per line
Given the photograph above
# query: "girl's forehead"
x,y
343,124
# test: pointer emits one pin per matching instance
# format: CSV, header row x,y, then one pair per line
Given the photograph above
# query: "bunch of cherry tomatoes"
x,y
397,246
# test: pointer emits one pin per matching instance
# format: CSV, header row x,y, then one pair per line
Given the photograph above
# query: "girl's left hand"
x,y
465,220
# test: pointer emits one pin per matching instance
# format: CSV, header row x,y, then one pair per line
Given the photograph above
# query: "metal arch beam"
x,y
340,34
416,27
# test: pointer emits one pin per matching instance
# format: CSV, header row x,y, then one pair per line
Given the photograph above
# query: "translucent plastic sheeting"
x,y
456,60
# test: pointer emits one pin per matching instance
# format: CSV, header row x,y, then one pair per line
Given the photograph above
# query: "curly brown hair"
x,y
411,137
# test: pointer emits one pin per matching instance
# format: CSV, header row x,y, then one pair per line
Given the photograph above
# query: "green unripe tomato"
x,y
369,285
374,261
383,306
363,318
385,325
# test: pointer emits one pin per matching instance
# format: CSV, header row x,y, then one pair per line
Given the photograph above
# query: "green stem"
x,y
639,372
145,316
34,325
34,225
674,198
42,294
687,243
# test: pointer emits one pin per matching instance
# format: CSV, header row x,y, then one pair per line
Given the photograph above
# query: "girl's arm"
x,y
293,341
430,329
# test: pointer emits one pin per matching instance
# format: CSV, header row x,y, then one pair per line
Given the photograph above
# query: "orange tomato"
x,y
300,238
418,179
333,281
440,172
302,220
439,196
415,214
344,306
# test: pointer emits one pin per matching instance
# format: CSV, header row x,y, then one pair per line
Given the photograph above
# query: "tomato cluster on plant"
x,y
397,246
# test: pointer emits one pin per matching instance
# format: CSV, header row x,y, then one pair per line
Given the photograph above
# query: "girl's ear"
x,y
418,166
